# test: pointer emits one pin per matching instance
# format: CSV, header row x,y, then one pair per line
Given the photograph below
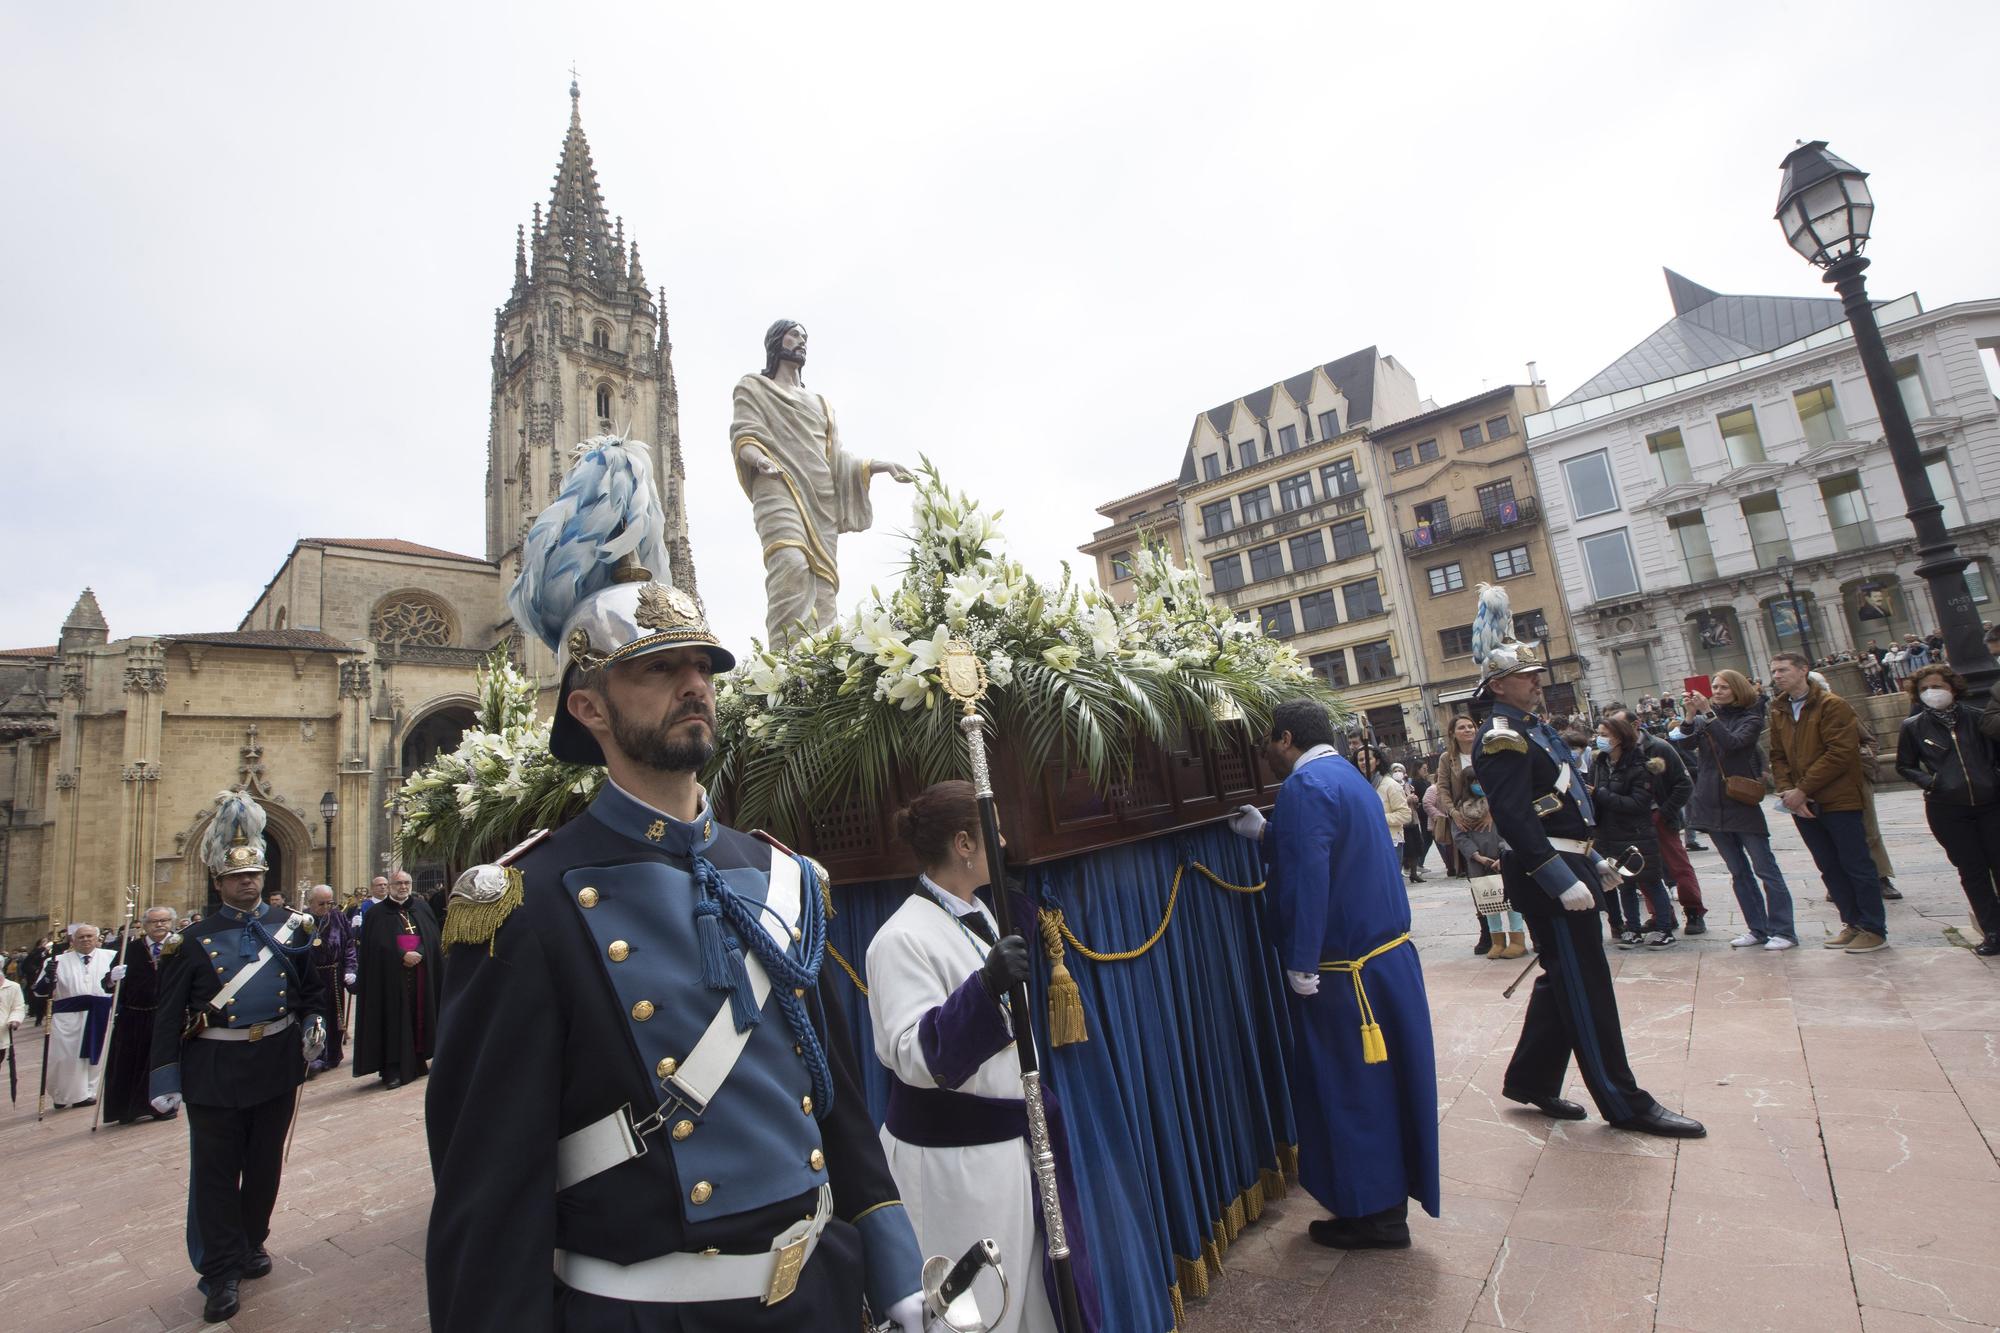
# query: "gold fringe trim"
x,y
1288,1159
1066,1025
1213,1250
1174,1295
1232,1218
846,967
1253,1201
1193,1279
468,922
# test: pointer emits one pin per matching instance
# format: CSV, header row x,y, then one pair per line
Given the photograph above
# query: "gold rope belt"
x,y
1373,1049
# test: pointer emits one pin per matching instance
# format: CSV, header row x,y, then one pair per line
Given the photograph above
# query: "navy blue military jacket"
x,y
1520,761
590,988
234,1073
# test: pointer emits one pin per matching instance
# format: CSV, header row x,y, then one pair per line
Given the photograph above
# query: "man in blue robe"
x,y
1364,1077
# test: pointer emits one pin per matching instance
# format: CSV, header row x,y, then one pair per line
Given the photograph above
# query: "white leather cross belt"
x,y
1580,846
686,1277
255,1032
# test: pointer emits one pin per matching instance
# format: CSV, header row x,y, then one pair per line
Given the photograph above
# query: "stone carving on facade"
x,y
66,780
354,680
250,772
142,772
145,680
72,680
408,620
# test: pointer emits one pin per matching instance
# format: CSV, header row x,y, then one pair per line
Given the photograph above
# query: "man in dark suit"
x,y
135,980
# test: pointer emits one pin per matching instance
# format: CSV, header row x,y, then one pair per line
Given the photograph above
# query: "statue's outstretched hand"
x,y
896,471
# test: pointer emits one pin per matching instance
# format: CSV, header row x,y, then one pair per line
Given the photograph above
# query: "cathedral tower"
x,y
579,349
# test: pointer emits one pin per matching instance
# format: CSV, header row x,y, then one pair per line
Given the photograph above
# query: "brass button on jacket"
x,y
806,1105
701,1192
587,897
619,951
642,1011
817,1161
666,1067
682,1128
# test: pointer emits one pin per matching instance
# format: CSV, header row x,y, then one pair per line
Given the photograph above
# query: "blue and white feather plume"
x,y
1493,623
609,508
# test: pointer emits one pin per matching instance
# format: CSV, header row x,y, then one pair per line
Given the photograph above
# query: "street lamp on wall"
x,y
1826,211
329,810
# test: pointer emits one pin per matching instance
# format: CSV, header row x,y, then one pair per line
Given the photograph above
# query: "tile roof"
x,y
49,651
308,640
1709,329
392,546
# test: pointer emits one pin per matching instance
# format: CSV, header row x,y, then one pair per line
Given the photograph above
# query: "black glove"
x,y
1007,966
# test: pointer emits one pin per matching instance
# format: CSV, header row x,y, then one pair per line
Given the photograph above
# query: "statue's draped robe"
x,y
800,515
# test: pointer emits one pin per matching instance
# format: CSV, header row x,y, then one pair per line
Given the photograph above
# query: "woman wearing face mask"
x,y
1941,749
1373,762
1622,785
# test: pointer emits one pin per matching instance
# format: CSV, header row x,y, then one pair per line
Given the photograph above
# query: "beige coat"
x,y
1395,804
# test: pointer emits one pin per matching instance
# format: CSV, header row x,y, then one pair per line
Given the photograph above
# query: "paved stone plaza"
x,y
1848,1182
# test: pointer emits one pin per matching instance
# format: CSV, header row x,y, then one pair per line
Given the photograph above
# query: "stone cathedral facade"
x,y
356,663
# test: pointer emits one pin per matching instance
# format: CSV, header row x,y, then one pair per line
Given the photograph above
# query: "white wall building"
x,y
1741,435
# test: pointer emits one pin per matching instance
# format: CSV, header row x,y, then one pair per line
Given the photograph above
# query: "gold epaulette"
x,y
1501,738
480,903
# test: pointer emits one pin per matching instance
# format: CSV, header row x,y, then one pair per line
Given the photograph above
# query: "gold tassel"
x,y
469,922
1066,1025
1232,1218
1373,1049
1288,1159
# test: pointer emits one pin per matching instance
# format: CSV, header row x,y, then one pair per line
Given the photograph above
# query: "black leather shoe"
x,y
259,1265
392,1082
1667,1124
1890,891
221,1303
1342,1233
1988,947
1696,925
1555,1108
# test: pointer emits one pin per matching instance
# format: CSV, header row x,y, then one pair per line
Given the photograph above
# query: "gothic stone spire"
x,y
576,208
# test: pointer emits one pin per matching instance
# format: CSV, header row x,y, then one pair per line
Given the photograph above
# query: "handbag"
x,y
1748,791
1489,893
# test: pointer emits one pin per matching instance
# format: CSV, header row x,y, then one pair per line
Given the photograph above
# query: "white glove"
x,y
1577,898
348,981
1247,822
1303,983
315,1038
908,1314
167,1103
1607,874
117,974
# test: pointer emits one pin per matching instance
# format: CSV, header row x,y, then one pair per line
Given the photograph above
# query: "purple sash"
x,y
98,1007
939,1118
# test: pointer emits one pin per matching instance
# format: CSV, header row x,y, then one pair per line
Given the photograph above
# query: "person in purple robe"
x,y
333,957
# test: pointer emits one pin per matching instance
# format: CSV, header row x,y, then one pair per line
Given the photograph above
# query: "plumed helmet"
x,y
234,842
1494,646
589,584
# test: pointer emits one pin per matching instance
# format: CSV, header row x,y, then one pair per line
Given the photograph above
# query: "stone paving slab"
x,y
1849,1181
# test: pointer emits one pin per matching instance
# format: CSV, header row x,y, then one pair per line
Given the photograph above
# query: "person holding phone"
x,y
1727,804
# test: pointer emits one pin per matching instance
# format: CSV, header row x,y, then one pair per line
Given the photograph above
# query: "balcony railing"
x,y
1501,516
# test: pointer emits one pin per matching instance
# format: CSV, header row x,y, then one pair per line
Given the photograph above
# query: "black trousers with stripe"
x,y
236,1157
1572,1010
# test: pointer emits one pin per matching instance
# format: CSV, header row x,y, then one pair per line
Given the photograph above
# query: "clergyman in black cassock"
x,y
396,1006
130,1062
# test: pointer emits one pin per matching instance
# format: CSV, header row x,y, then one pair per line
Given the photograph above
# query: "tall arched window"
x,y
600,335
604,401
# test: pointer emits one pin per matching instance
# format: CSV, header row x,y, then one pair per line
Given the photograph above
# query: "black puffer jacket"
x,y
1626,794
1728,735
1947,754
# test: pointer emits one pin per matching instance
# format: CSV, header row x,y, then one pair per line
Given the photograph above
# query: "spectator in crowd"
x,y
1871,674
1454,784
1816,764
1439,825
1916,653
1892,665
1416,843
1625,785
1479,848
1726,726
1373,762
1944,750
1871,823
1671,792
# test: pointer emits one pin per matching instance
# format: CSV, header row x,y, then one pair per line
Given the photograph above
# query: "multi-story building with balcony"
x,y
1151,515
1739,445
1462,496
1283,517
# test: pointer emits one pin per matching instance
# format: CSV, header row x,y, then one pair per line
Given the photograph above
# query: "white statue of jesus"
x,y
804,488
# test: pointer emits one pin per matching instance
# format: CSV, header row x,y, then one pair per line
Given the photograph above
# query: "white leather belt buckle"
x,y
1578,846
686,1279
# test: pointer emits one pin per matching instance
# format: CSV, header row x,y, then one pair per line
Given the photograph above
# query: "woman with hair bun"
x,y
956,1130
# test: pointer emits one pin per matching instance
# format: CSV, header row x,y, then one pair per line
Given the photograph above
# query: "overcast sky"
x,y
252,252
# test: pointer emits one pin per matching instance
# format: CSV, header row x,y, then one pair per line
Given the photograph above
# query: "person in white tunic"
x,y
79,1012
955,1133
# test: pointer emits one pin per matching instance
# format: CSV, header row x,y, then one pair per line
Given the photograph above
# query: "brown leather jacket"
x,y
1820,753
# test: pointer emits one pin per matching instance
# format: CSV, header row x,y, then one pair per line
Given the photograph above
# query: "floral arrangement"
x,y
1073,676
835,715
473,803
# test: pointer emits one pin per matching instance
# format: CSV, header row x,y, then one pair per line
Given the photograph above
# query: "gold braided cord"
x,y
846,967
1061,926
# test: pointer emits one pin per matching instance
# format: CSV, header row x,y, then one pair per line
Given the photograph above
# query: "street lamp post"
x,y
1800,625
1826,210
329,810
